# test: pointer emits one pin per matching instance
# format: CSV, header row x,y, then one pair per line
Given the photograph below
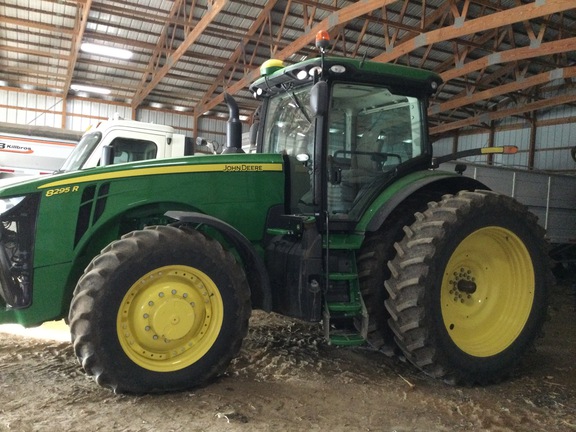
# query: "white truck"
x,y
117,141
108,142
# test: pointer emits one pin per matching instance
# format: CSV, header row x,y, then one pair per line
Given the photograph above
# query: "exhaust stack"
x,y
234,128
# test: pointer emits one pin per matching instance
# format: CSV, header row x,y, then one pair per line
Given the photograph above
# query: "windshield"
x,y
288,128
81,152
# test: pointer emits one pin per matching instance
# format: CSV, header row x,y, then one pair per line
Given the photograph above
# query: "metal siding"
x,y
558,112
518,137
555,142
30,109
468,142
213,130
443,146
183,124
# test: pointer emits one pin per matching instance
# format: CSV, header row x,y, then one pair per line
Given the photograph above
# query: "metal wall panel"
x,y
182,123
561,111
551,197
83,112
30,109
442,146
515,137
553,144
213,130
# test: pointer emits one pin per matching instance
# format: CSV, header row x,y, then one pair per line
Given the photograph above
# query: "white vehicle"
x,y
107,142
24,155
118,141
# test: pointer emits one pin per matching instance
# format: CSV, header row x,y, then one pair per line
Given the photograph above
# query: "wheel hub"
x,y
172,319
463,285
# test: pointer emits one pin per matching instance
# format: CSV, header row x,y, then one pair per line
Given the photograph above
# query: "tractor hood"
x,y
235,162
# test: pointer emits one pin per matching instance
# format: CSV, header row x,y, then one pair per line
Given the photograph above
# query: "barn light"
x,y
90,89
106,51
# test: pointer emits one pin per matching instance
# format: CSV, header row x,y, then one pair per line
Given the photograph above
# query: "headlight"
x,y
7,204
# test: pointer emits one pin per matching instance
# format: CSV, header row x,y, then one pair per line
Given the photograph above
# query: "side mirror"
x,y
107,157
188,146
319,99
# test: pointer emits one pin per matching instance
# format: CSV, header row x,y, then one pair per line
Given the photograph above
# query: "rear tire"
x,y
376,251
468,287
159,310
372,271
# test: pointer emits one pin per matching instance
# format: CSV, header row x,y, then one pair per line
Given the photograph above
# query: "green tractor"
x,y
339,217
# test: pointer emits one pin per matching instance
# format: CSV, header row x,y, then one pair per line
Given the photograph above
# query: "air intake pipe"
x,y
234,129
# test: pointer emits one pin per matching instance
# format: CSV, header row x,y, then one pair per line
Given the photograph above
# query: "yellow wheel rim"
x,y
487,291
170,318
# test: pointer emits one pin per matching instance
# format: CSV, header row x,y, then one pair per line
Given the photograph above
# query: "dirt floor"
x,y
287,379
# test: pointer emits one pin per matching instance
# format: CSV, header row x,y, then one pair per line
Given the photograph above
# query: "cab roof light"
x,y
322,40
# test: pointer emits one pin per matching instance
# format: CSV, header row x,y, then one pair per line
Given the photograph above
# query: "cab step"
x,y
345,307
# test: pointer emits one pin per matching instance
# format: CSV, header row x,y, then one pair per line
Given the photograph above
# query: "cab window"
x,y
132,150
371,132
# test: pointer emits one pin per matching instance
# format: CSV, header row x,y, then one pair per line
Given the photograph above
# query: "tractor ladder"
x,y
345,317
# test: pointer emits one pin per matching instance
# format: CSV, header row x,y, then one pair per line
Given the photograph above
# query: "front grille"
x,y
17,232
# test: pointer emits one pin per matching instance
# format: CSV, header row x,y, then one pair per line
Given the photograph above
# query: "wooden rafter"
x,y
490,53
334,19
39,25
80,27
523,53
500,114
498,19
522,84
161,71
259,23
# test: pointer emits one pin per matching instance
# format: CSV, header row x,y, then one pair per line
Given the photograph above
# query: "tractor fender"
x,y
448,183
254,266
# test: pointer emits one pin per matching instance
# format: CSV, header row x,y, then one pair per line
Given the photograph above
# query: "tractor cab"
x,y
344,134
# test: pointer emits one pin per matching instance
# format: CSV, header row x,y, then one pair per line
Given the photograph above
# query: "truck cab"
x,y
125,141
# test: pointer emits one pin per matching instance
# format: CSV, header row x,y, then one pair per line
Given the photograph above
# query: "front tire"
x,y
159,310
468,287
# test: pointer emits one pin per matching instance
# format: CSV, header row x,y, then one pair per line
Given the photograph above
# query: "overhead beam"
x,y
6,48
500,114
507,17
335,19
80,27
516,54
500,90
39,25
262,17
210,15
